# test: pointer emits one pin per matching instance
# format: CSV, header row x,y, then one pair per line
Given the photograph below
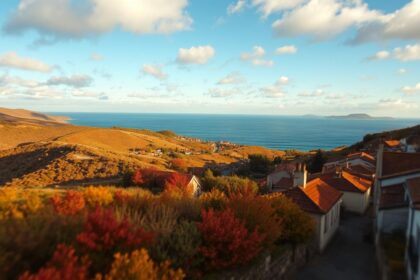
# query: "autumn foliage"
x,y
64,265
226,241
102,232
179,184
72,203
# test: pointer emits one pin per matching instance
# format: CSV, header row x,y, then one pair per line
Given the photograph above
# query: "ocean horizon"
x,y
270,131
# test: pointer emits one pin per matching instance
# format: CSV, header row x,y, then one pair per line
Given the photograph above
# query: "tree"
x,y
317,162
259,163
179,184
277,160
179,164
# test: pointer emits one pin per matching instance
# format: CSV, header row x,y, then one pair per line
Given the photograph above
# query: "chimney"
x,y
338,171
300,175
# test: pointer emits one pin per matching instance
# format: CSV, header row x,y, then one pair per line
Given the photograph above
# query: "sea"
x,y
275,132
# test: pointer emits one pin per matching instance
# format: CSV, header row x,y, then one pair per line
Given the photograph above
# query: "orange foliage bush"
x,y
215,199
226,241
139,266
72,203
179,164
97,196
64,265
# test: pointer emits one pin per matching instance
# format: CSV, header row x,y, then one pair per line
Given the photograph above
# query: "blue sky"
x,y
286,57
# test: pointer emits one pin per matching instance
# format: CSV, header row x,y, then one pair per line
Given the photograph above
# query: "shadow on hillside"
x,y
20,164
103,181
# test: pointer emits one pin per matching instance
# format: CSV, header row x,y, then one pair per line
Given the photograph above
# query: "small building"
x,y
355,189
322,202
287,175
412,255
360,159
393,146
390,196
412,144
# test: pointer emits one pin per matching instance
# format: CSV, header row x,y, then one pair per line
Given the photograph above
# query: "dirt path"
x,y
348,256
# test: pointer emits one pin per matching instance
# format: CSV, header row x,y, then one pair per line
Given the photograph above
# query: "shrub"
x,y
72,203
257,214
27,244
178,184
229,184
298,227
103,236
32,202
259,163
102,232
64,265
179,164
8,204
160,219
181,246
138,178
226,241
139,266
97,196
214,199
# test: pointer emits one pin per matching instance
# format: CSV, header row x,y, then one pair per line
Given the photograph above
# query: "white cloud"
x,y
283,80
381,55
91,94
267,7
409,52
409,90
223,92
401,24
256,57
76,19
96,57
290,49
233,78
275,90
155,71
315,93
13,60
76,81
390,103
323,19
236,7
195,55
402,71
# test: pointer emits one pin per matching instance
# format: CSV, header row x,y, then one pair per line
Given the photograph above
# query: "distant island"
x,y
359,117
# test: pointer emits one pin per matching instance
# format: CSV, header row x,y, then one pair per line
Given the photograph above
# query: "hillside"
x,y
359,117
37,154
25,116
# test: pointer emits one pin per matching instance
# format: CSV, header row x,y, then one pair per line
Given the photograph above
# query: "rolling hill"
x,y
38,150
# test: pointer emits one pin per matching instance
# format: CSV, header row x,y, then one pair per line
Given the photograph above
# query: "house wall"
x,y
323,233
196,185
275,177
356,202
389,220
413,230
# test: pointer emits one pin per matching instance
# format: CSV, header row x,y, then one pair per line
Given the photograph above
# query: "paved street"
x,y
348,256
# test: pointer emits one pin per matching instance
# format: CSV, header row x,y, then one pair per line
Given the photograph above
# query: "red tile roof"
x,y
413,186
360,169
392,143
392,197
347,182
365,156
396,163
317,197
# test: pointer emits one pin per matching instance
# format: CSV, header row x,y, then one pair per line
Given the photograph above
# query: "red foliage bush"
x,y
70,204
64,265
102,231
178,184
226,241
138,178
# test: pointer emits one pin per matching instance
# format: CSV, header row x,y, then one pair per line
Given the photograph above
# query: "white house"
x,y
390,198
322,202
355,189
287,175
361,159
413,229
411,144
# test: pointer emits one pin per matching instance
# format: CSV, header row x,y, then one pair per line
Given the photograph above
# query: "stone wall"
x,y
282,266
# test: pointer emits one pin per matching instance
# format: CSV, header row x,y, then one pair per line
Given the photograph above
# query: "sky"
x,y
281,57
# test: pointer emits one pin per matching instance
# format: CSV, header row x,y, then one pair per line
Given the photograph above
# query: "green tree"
x,y
317,162
259,163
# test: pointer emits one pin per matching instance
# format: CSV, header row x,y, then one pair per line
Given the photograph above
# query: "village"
x,y
380,185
